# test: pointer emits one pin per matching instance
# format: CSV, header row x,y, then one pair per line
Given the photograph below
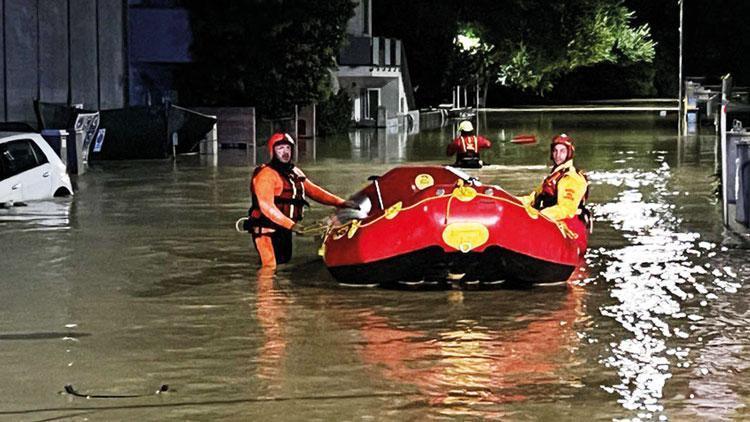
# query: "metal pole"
x,y
312,151
724,174
680,124
477,109
296,132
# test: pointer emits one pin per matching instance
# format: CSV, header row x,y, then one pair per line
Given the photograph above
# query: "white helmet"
x,y
465,126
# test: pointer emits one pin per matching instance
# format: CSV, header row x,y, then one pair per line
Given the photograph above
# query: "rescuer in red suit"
x,y
467,146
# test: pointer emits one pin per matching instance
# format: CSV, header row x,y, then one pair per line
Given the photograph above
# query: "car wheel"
x,y
61,192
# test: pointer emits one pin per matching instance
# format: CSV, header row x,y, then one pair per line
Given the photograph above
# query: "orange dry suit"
x,y
279,194
562,194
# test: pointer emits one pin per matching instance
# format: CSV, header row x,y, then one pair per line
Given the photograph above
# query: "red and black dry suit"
x,y
467,147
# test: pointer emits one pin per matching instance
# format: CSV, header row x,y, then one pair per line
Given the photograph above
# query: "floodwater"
x,y
140,280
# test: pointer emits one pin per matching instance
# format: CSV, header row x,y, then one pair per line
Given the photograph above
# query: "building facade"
x,y
373,71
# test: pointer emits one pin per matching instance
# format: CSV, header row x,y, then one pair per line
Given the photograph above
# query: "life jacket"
x,y
290,202
469,145
548,197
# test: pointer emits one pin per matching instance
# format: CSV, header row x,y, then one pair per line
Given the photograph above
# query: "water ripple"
x,y
654,281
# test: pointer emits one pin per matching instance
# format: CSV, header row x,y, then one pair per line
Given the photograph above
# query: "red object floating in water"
x,y
429,222
524,138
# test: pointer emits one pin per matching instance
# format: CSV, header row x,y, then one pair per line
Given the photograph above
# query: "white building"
x,y
374,73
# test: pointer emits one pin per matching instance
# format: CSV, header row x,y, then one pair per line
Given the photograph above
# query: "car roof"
x,y
6,134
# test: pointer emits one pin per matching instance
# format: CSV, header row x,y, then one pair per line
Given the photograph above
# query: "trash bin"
x,y
58,140
737,134
742,180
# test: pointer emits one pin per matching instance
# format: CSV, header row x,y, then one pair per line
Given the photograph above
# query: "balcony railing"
x,y
370,51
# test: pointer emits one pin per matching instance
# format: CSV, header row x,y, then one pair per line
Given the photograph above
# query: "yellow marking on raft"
x,y
354,225
464,193
423,181
566,231
393,210
465,236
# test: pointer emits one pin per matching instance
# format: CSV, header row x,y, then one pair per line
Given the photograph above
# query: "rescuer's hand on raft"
x,y
350,204
298,228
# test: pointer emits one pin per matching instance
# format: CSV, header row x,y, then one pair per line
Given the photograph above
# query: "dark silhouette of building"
x,y
62,51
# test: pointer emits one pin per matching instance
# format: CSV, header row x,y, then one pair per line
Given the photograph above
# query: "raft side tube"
x,y
433,264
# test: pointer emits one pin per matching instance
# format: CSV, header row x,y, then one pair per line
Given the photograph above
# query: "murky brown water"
x,y
140,280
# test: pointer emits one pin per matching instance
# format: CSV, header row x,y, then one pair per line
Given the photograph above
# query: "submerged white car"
x,y
30,170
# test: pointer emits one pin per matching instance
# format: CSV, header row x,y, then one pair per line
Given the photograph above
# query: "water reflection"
x,y
656,278
463,366
37,216
378,145
271,311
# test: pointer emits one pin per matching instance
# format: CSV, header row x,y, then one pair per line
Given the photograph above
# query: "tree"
x,y
270,54
531,44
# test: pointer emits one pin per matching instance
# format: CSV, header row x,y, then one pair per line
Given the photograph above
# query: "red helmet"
x,y
563,139
277,138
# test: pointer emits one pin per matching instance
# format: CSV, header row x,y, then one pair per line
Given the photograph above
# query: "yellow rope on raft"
x,y
344,229
565,230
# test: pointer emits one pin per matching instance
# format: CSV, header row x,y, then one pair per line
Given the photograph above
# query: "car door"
x,y
10,182
29,163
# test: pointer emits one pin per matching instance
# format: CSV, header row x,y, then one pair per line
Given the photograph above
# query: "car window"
x,y
17,157
3,176
41,157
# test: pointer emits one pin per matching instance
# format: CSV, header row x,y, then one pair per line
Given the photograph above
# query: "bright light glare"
x,y
467,43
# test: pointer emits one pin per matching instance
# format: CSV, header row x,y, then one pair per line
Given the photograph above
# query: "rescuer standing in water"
x,y
279,190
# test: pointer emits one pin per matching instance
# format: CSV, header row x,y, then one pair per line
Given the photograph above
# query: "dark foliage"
x,y
427,29
270,54
527,45
334,114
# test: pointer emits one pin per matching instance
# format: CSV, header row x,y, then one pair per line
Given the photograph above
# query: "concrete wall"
x,y
53,51
431,119
361,22
2,62
112,55
159,43
389,96
83,54
235,125
21,59
61,51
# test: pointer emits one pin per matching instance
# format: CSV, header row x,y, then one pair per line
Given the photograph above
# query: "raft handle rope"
x,y
377,189
73,392
318,228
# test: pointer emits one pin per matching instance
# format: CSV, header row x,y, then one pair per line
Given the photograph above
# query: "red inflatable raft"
x,y
424,223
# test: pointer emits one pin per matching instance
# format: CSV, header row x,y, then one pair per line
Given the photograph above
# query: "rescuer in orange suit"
x,y
562,194
279,190
467,146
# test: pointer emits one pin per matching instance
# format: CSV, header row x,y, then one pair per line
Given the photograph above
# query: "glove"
x,y
527,200
350,204
298,228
